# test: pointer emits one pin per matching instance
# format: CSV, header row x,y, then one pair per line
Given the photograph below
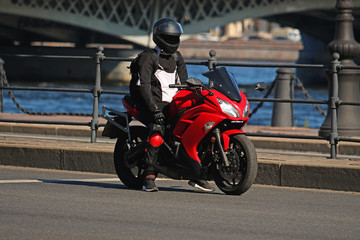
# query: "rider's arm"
x,y
181,68
145,73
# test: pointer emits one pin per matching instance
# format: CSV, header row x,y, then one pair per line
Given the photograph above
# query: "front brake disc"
x,y
232,171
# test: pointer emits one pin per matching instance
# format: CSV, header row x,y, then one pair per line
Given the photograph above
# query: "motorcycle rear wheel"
x,y
238,178
131,177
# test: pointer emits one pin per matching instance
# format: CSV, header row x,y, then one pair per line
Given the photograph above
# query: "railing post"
x,y
1,84
333,105
212,61
99,56
283,112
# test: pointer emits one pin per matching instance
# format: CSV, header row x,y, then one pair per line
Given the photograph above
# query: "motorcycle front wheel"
x,y
237,178
131,177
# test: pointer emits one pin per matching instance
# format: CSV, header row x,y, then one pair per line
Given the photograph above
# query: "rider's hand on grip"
x,y
159,117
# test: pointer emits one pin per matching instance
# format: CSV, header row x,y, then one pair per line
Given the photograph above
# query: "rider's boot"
x,y
149,184
199,182
202,185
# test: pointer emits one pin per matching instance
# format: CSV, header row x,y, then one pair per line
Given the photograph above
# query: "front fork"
x,y
223,156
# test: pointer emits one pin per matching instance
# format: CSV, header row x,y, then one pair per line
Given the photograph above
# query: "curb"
x,y
308,176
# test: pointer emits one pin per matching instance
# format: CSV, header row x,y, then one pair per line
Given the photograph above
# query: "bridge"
x,y
123,21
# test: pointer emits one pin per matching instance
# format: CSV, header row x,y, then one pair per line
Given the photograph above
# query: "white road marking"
x,y
69,180
60,180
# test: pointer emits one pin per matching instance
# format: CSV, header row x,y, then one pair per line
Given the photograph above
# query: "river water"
x,y
304,115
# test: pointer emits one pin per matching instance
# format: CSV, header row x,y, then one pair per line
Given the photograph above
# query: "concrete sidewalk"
x,y
282,161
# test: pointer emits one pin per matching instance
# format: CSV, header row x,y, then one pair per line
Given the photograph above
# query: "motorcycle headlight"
x,y
246,109
228,108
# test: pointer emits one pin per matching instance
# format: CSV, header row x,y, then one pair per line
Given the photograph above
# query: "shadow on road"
x,y
85,183
121,186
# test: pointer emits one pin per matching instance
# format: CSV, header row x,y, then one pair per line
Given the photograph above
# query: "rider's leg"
x,y
199,182
198,172
153,145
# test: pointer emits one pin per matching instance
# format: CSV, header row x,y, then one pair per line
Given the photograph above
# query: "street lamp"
x,y
344,43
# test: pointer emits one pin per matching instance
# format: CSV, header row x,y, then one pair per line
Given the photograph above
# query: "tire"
x,y
132,178
238,178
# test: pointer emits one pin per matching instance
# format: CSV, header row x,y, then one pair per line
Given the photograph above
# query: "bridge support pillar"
x,y
284,89
348,117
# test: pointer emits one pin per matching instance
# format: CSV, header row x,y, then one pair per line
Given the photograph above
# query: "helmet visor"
x,y
169,39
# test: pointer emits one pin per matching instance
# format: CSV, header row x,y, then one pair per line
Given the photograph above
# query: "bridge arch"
x,y
121,18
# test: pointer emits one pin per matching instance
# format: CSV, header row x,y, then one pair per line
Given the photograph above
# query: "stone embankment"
x,y
241,50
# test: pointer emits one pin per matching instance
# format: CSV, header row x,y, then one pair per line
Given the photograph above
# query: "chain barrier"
x,y
269,91
299,85
6,83
305,92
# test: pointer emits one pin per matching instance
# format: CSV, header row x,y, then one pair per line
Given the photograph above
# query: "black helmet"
x,y
166,34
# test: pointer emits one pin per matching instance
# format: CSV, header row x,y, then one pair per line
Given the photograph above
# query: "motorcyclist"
x,y
151,93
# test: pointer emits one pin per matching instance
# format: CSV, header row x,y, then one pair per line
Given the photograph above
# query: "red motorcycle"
x,y
203,136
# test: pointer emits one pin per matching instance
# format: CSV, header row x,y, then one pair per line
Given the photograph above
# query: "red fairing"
x,y
226,137
190,126
182,99
242,106
195,132
226,141
130,109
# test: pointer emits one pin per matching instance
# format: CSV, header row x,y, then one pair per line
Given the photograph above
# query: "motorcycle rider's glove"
x,y
159,117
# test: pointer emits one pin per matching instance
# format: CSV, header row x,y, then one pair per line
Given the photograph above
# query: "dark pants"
x,y
154,141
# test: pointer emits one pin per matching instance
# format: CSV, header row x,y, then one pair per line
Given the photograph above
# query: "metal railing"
x,y
333,102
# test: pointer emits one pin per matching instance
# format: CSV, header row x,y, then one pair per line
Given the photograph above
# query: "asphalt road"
x,y
47,204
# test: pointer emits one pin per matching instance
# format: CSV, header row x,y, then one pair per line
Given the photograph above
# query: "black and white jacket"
x,y
153,81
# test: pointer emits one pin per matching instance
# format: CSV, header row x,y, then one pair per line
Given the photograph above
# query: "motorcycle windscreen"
x,y
224,82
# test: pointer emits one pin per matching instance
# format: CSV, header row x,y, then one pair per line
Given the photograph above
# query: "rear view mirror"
x,y
194,82
261,86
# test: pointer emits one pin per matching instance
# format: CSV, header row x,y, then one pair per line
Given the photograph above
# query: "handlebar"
x,y
190,82
186,86
178,86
